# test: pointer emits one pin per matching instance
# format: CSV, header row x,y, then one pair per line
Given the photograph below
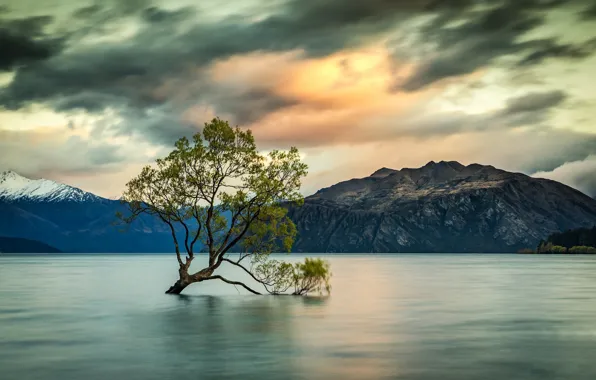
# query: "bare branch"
x,y
225,249
174,238
218,277
246,270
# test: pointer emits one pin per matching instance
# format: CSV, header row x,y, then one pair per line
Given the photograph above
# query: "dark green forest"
x,y
577,241
574,238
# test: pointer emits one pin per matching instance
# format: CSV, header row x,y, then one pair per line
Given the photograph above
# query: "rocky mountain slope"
x,y
440,207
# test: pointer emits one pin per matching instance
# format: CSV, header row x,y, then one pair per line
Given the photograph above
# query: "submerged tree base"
x,y
312,275
180,285
177,288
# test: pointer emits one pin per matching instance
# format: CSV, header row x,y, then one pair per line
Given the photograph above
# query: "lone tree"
x,y
219,192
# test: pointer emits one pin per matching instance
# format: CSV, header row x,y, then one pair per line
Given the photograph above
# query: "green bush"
x,y
582,249
558,249
312,275
550,248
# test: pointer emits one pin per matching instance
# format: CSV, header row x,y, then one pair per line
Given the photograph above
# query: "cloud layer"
x,y
578,174
316,74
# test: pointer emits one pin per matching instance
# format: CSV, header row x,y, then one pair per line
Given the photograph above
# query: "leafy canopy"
x,y
219,191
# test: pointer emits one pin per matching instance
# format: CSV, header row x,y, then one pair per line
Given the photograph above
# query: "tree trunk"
x,y
183,281
177,288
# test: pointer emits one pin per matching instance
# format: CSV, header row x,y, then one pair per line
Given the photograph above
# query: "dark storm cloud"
x,y
160,49
160,126
554,50
89,101
526,110
589,12
101,18
156,15
563,146
23,41
328,15
164,124
249,106
535,101
533,110
125,75
113,9
118,73
320,27
87,11
486,36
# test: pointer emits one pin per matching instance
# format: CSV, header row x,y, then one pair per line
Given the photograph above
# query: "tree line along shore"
x,y
581,241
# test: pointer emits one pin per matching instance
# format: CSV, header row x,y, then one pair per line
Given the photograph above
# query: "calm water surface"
x,y
389,317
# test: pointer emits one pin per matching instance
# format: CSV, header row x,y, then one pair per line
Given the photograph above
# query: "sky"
x,y
92,91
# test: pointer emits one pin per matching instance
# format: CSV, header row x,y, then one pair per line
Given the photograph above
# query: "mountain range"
x,y
440,207
73,220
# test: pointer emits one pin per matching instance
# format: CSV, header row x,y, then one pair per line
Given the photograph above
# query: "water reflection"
x,y
412,317
217,337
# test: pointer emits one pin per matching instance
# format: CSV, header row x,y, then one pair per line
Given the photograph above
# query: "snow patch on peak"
x,y
14,187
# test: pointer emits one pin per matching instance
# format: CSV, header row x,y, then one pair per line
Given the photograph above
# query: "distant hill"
x,y
440,207
18,245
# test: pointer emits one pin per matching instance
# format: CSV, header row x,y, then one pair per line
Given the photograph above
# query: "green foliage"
x,y
548,247
577,241
571,238
217,189
312,275
275,275
583,250
558,249
220,172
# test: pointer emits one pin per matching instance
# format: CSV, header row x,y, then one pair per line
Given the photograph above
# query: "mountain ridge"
x,y
73,220
439,207
17,188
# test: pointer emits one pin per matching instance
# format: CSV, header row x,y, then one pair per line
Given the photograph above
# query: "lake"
x,y
389,317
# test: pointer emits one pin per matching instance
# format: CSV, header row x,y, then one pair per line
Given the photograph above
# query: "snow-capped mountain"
x,y
16,188
73,220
